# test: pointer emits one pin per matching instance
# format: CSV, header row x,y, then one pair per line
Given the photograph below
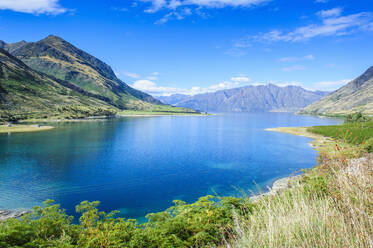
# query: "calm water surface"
x,y
139,165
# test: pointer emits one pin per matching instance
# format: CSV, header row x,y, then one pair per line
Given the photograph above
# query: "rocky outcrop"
x,y
277,186
8,214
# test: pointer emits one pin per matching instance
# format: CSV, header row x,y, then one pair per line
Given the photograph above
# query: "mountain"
x,y
26,93
262,98
173,99
356,96
60,59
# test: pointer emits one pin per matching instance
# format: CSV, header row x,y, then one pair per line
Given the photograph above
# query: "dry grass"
x,y
23,128
332,207
326,146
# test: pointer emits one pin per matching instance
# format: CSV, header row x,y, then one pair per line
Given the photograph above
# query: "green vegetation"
x,y
329,207
357,130
356,117
204,223
28,94
160,110
356,96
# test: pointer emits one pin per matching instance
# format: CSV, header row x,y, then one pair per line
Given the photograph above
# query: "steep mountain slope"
x,y
262,98
25,93
356,96
56,57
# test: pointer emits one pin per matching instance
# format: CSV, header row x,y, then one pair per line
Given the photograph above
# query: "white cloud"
x,y
157,90
129,74
154,89
321,1
292,59
332,24
330,12
179,9
241,79
33,6
174,4
309,57
294,68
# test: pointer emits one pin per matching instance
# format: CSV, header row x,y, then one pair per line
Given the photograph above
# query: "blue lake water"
x,y
139,165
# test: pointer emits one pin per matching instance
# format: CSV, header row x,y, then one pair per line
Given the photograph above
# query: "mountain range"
x,y
261,98
52,77
356,96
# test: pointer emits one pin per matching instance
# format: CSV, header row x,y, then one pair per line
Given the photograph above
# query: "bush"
x,y
206,222
356,117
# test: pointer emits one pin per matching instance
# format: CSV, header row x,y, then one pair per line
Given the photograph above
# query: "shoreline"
x,y
321,144
18,128
152,115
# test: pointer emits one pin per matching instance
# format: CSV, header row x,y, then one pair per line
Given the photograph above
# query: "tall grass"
x,y
332,207
354,133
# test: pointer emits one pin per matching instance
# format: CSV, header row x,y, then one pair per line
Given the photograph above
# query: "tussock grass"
x,y
331,207
356,133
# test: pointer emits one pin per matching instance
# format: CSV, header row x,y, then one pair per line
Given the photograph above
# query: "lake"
x,y
140,164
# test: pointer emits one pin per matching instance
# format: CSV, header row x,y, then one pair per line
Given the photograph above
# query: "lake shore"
x,y
320,143
18,128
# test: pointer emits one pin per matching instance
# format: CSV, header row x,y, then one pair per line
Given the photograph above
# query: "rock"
x,y
278,185
8,214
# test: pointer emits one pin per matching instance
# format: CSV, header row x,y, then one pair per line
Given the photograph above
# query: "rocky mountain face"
x,y
26,93
60,59
356,96
262,98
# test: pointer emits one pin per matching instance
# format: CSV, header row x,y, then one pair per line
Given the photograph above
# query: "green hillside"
x,y
356,96
25,93
58,58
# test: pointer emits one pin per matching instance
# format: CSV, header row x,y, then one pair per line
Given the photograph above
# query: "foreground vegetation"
x,y
331,205
357,130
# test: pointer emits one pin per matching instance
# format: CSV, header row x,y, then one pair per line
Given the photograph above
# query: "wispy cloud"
x,y
293,59
330,23
33,6
157,90
294,68
154,88
241,79
330,12
153,76
127,74
331,85
179,9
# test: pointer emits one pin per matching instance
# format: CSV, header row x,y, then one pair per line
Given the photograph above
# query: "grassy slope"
x,y
55,56
160,110
356,96
25,93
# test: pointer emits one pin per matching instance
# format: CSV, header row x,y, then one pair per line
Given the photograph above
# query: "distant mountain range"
x,y
261,98
53,77
356,96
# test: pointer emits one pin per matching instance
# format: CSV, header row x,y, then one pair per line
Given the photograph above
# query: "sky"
x,y
166,47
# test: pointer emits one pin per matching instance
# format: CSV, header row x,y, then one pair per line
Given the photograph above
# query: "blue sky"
x,y
195,46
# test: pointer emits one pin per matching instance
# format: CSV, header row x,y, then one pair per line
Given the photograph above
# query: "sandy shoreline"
x,y
17,128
